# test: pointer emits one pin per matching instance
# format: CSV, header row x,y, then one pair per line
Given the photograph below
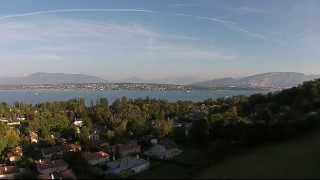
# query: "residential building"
x,y
127,166
78,123
21,118
123,150
4,120
33,137
14,154
73,148
96,158
13,123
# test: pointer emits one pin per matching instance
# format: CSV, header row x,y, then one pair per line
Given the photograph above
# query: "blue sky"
x,y
167,40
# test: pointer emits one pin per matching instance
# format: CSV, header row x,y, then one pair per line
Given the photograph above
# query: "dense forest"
x,y
246,120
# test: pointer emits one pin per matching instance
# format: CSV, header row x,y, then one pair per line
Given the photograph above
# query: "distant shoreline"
x,y
124,86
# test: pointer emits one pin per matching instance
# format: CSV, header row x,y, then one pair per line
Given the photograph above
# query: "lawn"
x,y
297,158
189,163
163,170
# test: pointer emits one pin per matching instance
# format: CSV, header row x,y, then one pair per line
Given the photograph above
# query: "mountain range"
x,y
267,80
51,78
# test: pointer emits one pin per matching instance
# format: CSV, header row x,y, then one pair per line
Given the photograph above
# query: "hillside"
x,y
267,80
51,78
297,158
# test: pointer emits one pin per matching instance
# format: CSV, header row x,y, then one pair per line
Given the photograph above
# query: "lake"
x,y
38,96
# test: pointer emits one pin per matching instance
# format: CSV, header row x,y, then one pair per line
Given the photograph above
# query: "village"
x,y
103,158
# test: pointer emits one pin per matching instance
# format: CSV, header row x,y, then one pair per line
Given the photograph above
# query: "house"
x,y
48,167
154,141
4,120
13,123
178,125
8,172
33,137
78,123
52,152
122,150
96,158
14,154
127,166
21,118
73,148
165,150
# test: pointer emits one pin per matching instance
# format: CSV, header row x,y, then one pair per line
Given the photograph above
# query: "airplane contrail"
x,y
232,26
73,10
229,24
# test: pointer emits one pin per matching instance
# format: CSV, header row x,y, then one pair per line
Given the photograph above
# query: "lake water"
x,y
38,96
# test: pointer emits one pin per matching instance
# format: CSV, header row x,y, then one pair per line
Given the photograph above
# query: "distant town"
x,y
272,81
101,86
124,86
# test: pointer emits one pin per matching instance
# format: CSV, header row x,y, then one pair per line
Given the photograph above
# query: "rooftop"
x,y
125,163
95,155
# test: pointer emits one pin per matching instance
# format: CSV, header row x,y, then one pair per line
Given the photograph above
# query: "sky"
x,y
176,41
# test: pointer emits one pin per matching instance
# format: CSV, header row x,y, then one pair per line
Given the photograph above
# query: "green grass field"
x,y
296,158
189,163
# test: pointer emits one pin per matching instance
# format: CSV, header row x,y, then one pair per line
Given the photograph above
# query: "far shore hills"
x,y
267,81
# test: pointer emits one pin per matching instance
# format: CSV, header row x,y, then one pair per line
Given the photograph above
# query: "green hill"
x,y
297,158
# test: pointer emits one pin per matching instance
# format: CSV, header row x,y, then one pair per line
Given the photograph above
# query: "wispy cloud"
x,y
189,53
227,23
212,19
56,39
182,5
249,10
232,26
72,10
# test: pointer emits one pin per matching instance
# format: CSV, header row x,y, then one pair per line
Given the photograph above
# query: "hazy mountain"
x,y
133,80
51,78
266,80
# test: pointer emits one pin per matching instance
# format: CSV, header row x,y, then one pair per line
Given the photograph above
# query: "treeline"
x,y
251,120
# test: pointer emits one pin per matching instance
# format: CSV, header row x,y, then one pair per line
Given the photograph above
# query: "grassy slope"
x,y
297,158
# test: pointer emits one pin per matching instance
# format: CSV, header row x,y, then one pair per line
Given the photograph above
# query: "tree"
x,y
84,136
166,127
3,140
8,137
200,131
12,137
